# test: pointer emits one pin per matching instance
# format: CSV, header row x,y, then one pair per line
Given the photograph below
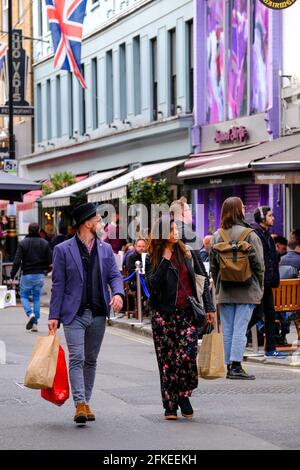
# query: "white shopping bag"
x,y
3,292
10,298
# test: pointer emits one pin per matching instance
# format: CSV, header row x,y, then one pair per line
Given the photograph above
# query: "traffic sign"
x,y
10,166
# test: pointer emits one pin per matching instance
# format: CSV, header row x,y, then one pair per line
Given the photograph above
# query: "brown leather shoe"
x,y
80,414
90,415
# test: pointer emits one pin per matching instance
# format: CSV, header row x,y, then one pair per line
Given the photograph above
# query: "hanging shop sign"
x,y
278,4
18,110
288,177
20,63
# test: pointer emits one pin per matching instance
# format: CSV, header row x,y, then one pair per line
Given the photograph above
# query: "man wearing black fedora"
x,y
84,269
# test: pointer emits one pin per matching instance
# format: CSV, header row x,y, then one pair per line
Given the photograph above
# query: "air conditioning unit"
x,y
291,109
292,116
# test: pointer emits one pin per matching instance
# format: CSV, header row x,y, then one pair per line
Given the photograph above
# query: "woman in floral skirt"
x,y
171,275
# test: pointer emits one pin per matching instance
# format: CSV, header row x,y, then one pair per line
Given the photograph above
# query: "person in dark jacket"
x,y
264,220
281,245
171,272
61,237
35,258
140,247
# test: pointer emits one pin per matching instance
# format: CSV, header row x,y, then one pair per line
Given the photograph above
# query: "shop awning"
x,y
202,158
62,197
280,169
241,161
118,188
29,200
13,187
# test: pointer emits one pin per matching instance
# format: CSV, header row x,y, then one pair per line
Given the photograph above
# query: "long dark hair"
x,y
232,212
157,242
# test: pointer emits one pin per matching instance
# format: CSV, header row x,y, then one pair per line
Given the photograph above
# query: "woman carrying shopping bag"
x,y
237,268
171,275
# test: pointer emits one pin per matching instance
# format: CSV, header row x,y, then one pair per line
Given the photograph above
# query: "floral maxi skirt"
x,y
176,343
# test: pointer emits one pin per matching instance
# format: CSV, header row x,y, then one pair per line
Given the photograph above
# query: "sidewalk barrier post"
x,y
254,339
2,353
138,270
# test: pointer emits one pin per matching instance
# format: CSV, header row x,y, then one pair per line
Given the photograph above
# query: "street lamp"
x,y
12,153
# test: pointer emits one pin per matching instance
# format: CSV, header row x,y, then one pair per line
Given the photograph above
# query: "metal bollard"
x,y
138,270
254,339
2,353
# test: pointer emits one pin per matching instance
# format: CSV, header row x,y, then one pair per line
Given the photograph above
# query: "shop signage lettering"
x,y
19,65
234,135
271,177
278,4
18,111
216,182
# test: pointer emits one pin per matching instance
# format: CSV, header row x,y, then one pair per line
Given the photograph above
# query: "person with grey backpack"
x,y
237,268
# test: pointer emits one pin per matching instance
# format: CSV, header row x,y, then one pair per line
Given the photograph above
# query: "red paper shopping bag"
x,y
59,393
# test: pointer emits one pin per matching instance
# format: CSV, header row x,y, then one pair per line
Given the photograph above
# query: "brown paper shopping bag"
x,y
211,361
41,369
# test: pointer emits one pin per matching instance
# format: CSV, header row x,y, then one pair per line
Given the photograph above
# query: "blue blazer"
x,y
67,279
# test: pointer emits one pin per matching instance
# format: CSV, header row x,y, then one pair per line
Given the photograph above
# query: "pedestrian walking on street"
x,y
83,270
34,256
60,237
237,298
140,247
183,217
170,274
264,220
111,234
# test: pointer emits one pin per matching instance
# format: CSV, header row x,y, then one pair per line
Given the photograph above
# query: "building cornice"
x,y
151,130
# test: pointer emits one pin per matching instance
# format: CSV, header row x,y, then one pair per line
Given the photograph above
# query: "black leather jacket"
x,y
33,255
271,258
163,284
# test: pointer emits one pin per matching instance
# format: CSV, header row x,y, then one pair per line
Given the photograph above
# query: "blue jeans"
x,y
235,319
32,285
84,338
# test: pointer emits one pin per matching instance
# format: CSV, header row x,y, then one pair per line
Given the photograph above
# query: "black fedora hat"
x,y
83,213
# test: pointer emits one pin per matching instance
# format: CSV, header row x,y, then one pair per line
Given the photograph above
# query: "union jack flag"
x,y
3,50
66,25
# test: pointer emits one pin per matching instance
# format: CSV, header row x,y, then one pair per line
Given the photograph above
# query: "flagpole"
x,y
12,154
